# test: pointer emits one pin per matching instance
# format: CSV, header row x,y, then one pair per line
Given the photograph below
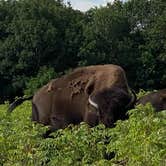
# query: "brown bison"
x,y
157,99
91,94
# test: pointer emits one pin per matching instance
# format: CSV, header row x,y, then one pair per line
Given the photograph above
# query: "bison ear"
x,y
90,86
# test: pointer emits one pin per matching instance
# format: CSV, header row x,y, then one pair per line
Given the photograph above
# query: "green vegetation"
x,y
40,35
140,140
42,39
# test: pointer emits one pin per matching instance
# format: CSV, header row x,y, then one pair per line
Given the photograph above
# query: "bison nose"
x,y
109,122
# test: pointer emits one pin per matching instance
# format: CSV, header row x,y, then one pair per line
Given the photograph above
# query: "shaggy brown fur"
x,y
91,94
65,100
157,99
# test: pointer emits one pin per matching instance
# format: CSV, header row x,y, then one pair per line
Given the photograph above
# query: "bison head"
x,y
112,104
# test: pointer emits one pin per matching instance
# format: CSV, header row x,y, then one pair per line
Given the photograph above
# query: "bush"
x,y
140,140
44,75
19,137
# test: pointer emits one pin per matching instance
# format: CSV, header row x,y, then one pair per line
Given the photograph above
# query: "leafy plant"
x,y
19,137
44,75
139,140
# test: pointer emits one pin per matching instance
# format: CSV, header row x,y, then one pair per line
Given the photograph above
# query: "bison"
x,y
157,99
92,94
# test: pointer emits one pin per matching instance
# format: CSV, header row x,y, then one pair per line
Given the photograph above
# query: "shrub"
x,y
44,75
140,140
19,137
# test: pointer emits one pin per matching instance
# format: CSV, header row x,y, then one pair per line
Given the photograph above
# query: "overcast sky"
x,y
84,5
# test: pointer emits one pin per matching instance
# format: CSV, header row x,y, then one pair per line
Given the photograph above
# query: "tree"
x,y
36,33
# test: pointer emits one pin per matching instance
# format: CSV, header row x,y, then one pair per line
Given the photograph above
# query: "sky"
x,y
84,5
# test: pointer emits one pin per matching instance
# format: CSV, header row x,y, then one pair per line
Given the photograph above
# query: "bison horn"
x,y
93,103
133,99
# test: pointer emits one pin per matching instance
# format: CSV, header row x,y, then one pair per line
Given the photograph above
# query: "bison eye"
x,y
57,118
53,118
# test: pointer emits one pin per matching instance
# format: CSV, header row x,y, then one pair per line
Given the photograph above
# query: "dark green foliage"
x,y
132,35
34,34
38,33
148,21
44,75
105,34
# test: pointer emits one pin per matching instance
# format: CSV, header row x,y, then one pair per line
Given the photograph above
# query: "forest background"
x,y
43,39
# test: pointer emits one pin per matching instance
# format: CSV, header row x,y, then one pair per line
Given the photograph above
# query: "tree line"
x,y
41,39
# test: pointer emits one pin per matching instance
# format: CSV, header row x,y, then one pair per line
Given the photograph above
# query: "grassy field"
x,y
140,140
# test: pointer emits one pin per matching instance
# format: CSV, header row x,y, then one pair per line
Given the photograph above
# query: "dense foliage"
x,y
33,34
140,140
43,39
37,34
